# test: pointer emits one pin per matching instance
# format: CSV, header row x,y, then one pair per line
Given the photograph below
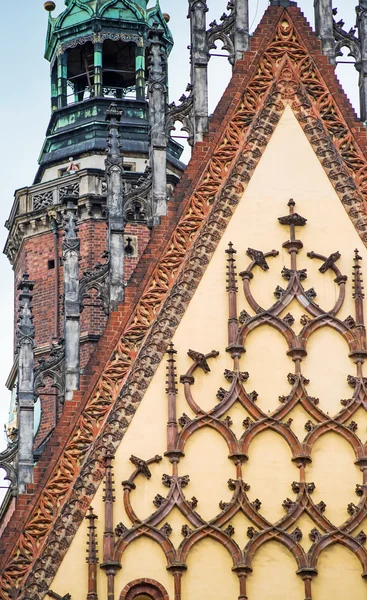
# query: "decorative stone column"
x,y
98,69
62,73
25,349
199,66
54,87
70,258
157,92
242,29
115,206
140,72
324,25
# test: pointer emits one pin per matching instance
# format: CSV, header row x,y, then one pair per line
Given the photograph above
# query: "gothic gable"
x,y
247,447
283,90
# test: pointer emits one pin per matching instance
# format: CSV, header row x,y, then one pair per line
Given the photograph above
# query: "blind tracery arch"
x,y
285,531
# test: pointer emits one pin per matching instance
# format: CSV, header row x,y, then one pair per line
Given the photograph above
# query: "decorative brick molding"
x,y
148,587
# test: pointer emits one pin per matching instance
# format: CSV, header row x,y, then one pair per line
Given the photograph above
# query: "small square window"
x,y
51,264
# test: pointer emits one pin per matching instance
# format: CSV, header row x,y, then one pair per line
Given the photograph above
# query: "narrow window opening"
x,y
51,264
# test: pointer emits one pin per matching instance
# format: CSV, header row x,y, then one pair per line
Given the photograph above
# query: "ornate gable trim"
x,y
110,408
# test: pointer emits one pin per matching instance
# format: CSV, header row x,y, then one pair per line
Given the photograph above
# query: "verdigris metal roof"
x,y
81,17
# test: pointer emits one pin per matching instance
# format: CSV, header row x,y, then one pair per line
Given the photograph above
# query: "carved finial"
x,y
109,489
231,269
171,391
357,276
293,220
171,370
92,556
358,288
109,498
92,551
232,297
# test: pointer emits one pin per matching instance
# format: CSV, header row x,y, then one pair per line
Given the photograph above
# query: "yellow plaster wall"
x,y
289,168
337,576
274,576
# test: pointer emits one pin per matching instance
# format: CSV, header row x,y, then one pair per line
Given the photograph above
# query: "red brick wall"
x,y
34,257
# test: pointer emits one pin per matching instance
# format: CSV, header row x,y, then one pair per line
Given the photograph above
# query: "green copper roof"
x,y
80,17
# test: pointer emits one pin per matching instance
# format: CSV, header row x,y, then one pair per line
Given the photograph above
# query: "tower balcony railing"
x,y
109,84
111,92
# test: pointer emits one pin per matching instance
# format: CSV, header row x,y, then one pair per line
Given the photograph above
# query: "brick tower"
x,y
99,56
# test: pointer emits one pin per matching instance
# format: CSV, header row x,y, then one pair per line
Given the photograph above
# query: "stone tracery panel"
x,y
302,503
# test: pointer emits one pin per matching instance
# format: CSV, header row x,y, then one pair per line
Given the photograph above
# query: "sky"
x,y
25,112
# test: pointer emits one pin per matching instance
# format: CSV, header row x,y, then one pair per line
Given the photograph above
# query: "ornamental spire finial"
x,y
171,390
92,555
358,288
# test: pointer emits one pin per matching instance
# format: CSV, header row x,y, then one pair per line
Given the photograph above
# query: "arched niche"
x,y
206,462
209,573
327,366
335,475
270,472
268,365
339,575
274,575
